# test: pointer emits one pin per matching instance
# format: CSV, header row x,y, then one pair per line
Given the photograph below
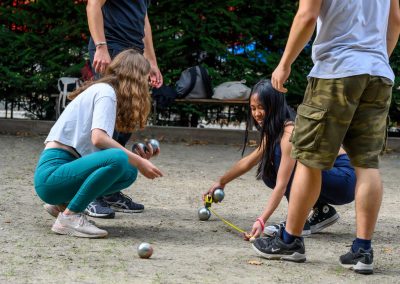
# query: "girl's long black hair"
x,y
277,113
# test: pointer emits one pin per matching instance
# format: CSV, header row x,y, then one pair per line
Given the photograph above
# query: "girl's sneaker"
x,y
77,225
322,217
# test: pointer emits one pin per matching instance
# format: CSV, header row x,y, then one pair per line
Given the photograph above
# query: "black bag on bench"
x,y
194,83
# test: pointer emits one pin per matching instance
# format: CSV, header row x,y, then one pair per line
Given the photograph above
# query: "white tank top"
x,y
351,39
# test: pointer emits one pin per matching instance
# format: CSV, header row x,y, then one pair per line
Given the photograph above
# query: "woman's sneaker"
x,y
53,210
77,225
272,230
123,203
322,217
360,261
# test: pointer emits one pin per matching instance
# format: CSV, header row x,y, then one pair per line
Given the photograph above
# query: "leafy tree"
x,y
41,41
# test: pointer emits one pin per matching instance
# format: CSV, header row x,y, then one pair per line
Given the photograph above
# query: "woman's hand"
x,y
150,152
147,169
154,152
258,228
212,189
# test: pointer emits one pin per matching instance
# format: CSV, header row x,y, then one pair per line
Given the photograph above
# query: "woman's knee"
x,y
132,174
118,158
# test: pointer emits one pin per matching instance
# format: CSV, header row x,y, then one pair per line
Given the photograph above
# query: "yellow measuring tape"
x,y
227,222
207,203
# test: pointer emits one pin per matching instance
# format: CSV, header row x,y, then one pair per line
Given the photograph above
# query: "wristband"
x,y
261,221
100,43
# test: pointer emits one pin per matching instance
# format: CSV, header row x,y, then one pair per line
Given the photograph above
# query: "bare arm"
x,y
301,31
241,167
284,172
393,26
96,27
156,78
101,140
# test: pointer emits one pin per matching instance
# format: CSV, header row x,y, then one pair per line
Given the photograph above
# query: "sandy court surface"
x,y
186,250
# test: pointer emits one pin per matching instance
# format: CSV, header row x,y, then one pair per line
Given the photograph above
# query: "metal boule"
x,y
204,214
155,144
218,195
139,145
145,250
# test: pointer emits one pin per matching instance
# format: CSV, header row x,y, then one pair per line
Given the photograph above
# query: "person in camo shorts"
x,y
346,101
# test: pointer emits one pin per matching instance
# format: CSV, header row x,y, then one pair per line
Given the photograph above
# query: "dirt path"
x,y
185,249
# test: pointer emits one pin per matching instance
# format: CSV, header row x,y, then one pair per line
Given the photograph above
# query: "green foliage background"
x,y
43,40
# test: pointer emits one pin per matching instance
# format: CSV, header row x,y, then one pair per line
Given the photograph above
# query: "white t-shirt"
x,y
96,107
351,39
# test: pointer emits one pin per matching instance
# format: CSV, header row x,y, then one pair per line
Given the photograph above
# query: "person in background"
x,y
116,25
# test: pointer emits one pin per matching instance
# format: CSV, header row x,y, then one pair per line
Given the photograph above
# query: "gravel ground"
x,y
186,250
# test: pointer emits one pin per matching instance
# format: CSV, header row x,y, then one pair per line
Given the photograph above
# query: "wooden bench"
x,y
215,104
212,102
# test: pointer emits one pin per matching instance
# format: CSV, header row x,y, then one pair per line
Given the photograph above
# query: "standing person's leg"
x,y
369,192
364,144
273,229
308,182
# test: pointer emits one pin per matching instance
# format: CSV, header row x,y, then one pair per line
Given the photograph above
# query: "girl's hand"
x,y
212,189
147,169
258,228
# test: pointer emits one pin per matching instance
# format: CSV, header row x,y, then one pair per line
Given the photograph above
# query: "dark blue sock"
x,y
360,243
288,238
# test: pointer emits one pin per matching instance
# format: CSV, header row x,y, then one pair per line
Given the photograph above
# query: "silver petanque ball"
x,y
139,145
204,214
155,144
218,195
145,250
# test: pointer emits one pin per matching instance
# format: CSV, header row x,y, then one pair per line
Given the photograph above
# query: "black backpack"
x,y
164,96
194,83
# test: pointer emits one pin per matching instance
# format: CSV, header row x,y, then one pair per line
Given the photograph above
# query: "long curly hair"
x,y
128,74
277,114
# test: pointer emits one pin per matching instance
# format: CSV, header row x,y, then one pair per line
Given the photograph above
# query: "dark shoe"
x,y
272,230
99,209
360,261
275,248
123,203
322,217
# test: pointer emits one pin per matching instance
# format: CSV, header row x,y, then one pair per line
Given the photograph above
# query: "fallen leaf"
x,y
254,262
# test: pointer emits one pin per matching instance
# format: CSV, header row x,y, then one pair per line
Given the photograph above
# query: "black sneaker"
x,y
275,248
360,261
273,229
322,217
123,203
99,209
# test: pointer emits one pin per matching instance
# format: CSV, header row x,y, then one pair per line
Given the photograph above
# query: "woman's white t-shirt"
x,y
96,107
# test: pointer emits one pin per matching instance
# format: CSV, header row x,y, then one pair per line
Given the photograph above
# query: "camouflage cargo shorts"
x,y
350,111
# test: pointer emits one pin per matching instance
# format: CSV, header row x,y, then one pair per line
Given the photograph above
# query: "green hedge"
x,y
44,40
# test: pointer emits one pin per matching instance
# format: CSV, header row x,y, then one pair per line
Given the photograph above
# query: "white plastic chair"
x,y
65,85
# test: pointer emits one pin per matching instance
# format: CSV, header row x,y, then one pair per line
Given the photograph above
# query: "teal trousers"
x,y
61,178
